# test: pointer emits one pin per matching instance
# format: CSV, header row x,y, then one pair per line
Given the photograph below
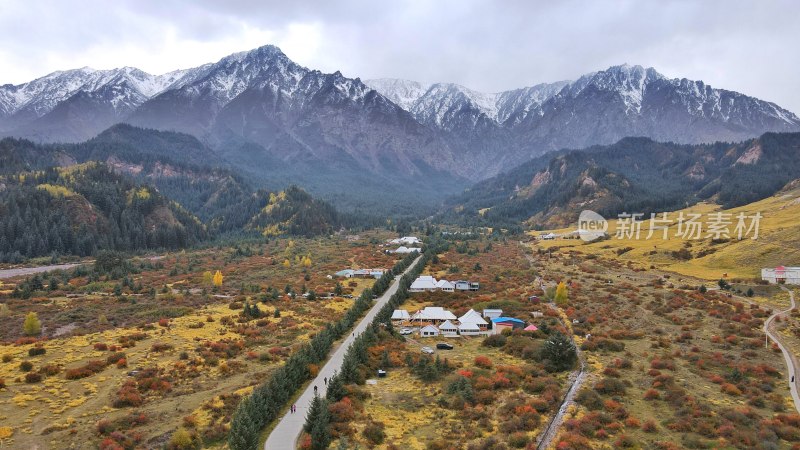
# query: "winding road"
x,y
285,434
791,360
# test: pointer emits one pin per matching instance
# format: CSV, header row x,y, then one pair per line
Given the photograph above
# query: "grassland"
x,y
669,367
124,362
510,394
709,259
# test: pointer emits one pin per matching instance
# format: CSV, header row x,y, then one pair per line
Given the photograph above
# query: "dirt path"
x,y
545,439
578,376
791,360
10,273
551,431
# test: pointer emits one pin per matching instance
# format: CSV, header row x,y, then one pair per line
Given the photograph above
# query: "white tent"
x,y
448,329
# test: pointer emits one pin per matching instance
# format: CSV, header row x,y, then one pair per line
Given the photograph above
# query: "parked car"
x,y
427,350
406,331
444,346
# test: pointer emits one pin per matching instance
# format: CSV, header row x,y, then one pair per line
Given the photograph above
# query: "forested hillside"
x,y
84,208
633,175
133,189
294,211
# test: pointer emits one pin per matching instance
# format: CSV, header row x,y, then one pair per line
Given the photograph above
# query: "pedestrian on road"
x,y
315,388
326,380
792,378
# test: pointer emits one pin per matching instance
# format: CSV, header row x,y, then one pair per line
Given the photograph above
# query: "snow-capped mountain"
x,y
506,128
295,114
77,104
261,104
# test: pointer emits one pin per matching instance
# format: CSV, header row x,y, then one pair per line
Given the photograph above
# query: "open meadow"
x,y
154,352
707,258
670,366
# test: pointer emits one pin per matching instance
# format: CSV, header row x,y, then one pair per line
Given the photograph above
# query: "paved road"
x,y
9,273
285,434
791,362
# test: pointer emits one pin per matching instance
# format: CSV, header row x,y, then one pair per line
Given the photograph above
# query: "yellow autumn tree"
x,y
307,261
32,326
5,433
286,263
208,278
218,279
562,296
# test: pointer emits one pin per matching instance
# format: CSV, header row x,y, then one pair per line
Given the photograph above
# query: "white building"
x,y
444,285
403,249
429,331
781,275
400,315
492,313
423,283
406,240
470,329
472,317
435,314
447,328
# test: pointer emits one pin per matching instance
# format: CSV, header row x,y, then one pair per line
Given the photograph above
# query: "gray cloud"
x,y
748,46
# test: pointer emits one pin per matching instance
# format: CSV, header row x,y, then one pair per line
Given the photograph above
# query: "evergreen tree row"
x,y
262,407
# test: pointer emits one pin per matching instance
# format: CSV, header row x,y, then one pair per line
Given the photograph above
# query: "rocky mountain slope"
x,y
503,129
262,112
633,175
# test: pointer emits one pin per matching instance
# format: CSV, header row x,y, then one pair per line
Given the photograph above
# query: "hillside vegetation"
x,y
779,232
83,208
635,174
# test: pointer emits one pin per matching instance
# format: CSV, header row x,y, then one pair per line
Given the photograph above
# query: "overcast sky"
x,y
747,46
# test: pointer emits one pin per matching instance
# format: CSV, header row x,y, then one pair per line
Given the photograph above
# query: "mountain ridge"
x,y
326,123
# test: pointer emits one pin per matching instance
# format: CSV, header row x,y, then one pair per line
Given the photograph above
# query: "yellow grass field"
x,y
776,245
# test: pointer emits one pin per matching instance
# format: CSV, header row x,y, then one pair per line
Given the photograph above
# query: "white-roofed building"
x,y
424,283
474,317
470,329
433,314
406,240
492,313
400,315
402,249
447,328
781,275
444,285
429,331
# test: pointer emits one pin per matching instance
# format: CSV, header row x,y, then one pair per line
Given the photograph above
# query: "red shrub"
x,y
652,394
483,362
